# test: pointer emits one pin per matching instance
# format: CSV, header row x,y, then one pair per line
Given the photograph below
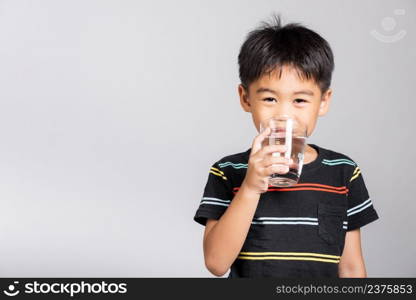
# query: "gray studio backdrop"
x,y
112,112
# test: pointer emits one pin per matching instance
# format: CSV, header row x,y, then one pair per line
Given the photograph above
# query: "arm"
x,y
224,238
352,261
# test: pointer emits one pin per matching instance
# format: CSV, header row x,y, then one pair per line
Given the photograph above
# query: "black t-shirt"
x,y
297,231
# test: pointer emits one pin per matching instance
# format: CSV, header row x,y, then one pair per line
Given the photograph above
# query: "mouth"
x,y
279,130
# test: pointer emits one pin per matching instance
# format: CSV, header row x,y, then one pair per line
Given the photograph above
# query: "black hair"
x,y
272,46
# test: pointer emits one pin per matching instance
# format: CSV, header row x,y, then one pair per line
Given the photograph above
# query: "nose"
x,y
284,114
284,109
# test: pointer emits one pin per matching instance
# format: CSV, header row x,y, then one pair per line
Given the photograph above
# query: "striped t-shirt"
x,y
296,231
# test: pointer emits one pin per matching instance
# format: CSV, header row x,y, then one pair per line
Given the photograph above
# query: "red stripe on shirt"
x,y
307,187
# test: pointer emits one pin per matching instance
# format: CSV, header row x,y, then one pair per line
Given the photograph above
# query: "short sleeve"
x,y
361,210
216,197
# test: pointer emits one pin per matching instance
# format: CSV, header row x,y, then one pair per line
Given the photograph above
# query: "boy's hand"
x,y
262,164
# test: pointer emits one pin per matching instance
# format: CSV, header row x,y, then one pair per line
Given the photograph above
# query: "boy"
x,y
311,229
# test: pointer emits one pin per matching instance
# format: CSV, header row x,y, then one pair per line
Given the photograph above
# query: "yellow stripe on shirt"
x,y
357,173
290,258
292,253
218,174
217,170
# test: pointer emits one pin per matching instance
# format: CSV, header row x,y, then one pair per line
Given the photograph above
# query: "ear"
x,y
325,102
244,102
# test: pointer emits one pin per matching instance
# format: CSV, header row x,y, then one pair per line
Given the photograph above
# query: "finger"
x,y
257,143
267,150
294,166
270,160
277,168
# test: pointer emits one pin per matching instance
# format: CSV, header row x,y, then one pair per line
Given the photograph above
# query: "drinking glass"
x,y
286,131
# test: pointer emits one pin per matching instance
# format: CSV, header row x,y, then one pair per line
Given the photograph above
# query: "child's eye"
x,y
266,99
300,100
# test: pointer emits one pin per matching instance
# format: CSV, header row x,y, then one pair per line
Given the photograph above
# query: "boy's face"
x,y
291,95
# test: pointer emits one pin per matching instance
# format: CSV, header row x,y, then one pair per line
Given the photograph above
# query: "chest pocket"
x,y
330,219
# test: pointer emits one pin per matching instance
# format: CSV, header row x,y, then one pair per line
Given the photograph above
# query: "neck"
x,y
310,154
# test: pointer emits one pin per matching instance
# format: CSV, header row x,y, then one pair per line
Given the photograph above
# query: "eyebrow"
x,y
305,92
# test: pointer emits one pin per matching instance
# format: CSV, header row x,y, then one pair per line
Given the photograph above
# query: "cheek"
x,y
311,123
256,121
259,116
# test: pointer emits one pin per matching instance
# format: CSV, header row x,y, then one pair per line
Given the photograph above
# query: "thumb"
x,y
257,143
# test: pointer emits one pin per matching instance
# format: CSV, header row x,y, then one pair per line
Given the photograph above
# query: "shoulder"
x,y
337,160
240,159
233,166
